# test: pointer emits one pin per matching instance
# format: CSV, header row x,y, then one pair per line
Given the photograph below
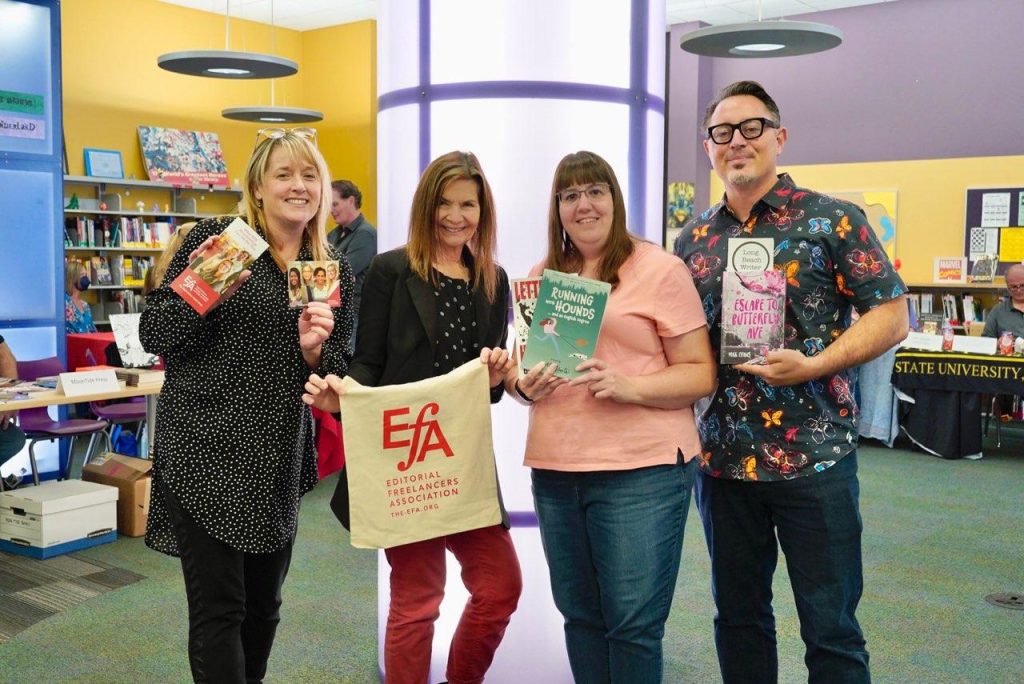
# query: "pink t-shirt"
x,y
571,430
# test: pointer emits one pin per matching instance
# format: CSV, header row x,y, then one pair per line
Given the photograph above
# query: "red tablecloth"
x,y
88,349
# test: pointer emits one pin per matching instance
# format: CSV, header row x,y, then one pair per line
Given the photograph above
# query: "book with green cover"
x,y
566,322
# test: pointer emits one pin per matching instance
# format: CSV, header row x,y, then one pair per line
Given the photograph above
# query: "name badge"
x,y
88,382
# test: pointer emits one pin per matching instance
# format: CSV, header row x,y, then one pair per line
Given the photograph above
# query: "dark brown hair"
x,y
584,168
752,88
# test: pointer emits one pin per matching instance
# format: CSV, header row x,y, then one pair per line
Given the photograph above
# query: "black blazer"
x,y
398,334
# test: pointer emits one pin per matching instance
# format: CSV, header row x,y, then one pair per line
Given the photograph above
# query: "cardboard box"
x,y
57,517
132,478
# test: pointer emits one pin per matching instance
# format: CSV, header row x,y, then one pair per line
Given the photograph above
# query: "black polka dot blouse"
x,y
456,324
233,439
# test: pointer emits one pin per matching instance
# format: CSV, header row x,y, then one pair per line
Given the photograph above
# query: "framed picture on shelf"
x,y
103,163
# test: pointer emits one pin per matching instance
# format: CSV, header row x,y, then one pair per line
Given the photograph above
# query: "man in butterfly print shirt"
x,y
782,459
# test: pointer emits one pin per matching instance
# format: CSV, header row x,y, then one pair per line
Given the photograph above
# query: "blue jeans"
x,y
817,520
613,541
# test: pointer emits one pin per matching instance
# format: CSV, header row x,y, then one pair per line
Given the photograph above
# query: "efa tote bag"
x,y
419,458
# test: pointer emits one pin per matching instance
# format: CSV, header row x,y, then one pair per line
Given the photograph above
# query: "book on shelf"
x,y
566,322
100,271
753,315
524,301
927,302
930,323
204,281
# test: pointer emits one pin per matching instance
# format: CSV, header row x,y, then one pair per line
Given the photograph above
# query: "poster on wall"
x,y
880,208
679,209
994,224
183,158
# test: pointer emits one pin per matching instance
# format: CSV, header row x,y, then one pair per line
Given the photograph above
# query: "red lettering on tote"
x,y
426,435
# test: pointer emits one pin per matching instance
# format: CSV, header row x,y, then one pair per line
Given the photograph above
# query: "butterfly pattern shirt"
x,y
832,261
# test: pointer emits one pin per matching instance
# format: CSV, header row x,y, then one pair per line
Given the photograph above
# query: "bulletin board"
x,y
994,223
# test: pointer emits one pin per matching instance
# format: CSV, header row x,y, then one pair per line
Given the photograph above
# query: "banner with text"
x,y
958,372
421,462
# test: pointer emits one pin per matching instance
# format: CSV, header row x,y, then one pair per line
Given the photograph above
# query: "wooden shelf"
x,y
153,185
122,250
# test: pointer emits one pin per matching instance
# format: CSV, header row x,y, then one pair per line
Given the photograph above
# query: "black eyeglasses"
x,y
1019,286
275,133
751,129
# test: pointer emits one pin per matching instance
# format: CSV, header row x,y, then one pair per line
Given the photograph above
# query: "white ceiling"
x,y
304,15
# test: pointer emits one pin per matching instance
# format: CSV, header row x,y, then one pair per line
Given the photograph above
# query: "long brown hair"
x,y
423,242
299,149
584,168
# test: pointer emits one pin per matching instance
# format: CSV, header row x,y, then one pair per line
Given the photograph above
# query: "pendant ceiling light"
x,y
272,114
773,38
226,63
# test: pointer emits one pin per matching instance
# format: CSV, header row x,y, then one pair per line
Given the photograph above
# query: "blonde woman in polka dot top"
x,y
234,447
427,308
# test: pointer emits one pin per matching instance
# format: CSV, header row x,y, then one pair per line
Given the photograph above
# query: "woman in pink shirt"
x,y
612,450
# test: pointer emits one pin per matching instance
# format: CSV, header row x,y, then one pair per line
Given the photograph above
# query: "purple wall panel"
x,y
913,79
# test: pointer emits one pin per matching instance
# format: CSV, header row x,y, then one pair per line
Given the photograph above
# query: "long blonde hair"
x,y
423,241
302,150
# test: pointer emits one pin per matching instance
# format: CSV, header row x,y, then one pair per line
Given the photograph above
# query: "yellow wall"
x,y
929,203
112,84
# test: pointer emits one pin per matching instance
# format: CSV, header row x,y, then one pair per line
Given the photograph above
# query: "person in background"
x,y
1008,314
155,275
780,437
448,267
233,449
12,439
77,312
614,450
353,236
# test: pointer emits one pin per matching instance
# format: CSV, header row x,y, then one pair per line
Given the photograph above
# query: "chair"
x,y
120,413
37,424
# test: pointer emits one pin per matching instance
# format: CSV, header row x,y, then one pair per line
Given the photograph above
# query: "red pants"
x,y
490,571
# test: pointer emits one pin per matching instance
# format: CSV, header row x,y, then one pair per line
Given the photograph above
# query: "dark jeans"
x,y
233,602
613,541
817,520
12,440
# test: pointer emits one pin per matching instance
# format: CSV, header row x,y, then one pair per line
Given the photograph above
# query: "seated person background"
x,y
77,314
1008,315
12,439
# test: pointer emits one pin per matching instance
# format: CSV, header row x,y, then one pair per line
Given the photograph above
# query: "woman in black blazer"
x,y
427,308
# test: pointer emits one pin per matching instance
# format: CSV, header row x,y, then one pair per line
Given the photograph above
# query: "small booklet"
x,y
566,322
524,301
203,283
313,281
753,315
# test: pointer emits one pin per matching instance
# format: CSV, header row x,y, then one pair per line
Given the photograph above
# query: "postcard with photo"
x,y
313,281
210,274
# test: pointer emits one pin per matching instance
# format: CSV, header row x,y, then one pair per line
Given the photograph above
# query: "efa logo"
x,y
426,434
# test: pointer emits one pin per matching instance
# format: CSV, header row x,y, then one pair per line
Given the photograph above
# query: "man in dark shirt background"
x,y
354,237
780,437
1008,315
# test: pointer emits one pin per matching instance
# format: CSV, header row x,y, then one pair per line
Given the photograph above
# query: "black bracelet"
x,y
521,393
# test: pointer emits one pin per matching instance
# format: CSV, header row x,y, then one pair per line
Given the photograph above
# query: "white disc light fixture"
x,y
272,114
758,39
227,63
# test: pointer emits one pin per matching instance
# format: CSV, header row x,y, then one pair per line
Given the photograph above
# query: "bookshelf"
x,y
983,295
119,227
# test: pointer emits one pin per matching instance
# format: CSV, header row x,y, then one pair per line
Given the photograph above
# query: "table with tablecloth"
x,y
945,416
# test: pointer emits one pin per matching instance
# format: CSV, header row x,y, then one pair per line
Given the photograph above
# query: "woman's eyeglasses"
x,y
275,133
595,192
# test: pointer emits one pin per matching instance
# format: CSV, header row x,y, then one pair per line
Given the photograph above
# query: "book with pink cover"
x,y
211,273
524,301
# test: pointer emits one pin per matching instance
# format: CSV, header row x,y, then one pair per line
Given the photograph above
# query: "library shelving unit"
x,y
117,227
983,296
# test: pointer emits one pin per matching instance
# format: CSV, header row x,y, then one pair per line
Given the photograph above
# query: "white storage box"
x,y
57,517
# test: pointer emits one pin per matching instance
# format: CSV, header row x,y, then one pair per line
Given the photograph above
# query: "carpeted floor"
x,y
939,536
32,590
